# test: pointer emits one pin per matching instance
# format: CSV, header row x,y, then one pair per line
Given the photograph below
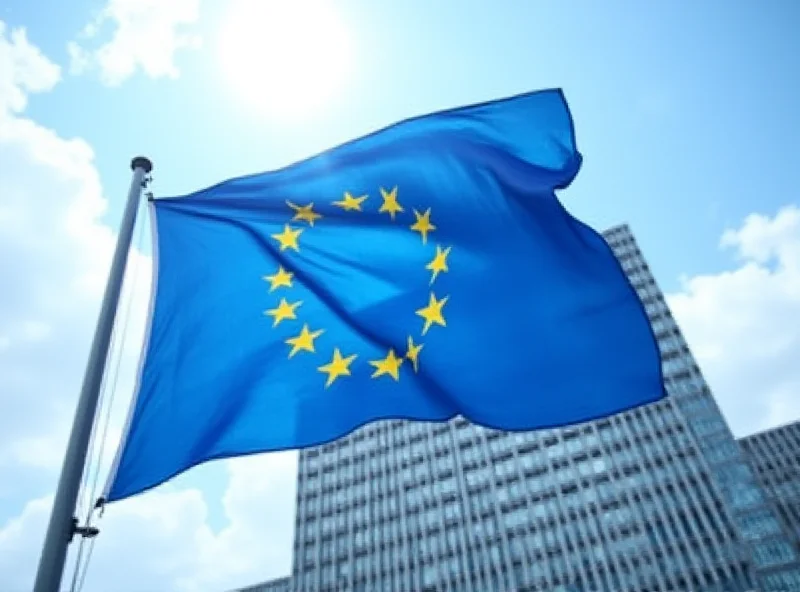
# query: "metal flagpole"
x,y
62,524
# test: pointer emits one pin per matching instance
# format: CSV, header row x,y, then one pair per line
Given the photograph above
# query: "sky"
x,y
686,114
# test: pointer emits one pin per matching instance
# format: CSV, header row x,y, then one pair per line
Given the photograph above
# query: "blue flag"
x,y
421,272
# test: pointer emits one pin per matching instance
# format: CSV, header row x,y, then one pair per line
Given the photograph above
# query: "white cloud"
x,y
256,544
54,255
743,324
51,245
161,540
146,35
18,538
23,70
148,542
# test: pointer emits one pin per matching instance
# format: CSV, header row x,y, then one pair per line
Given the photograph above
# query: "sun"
x,y
285,58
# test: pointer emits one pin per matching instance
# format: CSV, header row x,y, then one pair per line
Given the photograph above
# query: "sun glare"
x,y
286,58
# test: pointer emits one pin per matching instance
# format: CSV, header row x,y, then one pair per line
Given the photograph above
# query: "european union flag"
x,y
421,272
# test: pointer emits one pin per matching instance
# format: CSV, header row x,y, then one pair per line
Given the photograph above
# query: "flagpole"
x,y
62,526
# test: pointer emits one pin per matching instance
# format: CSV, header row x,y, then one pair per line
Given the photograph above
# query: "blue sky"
x,y
686,114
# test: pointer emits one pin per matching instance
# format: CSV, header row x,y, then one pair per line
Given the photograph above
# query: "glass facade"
x,y
774,456
660,498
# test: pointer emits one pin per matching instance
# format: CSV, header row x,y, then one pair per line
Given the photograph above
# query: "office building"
x,y
774,455
660,498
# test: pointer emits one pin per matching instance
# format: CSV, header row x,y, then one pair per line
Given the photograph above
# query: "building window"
x,y
771,553
758,524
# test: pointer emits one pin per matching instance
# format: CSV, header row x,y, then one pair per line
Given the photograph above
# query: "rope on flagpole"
x,y
105,409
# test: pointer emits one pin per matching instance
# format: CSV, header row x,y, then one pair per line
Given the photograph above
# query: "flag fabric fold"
x,y
421,272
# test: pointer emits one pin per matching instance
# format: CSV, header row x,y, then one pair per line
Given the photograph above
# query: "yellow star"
x,y
283,312
433,313
304,213
337,367
390,203
304,341
423,224
281,278
288,238
413,353
439,262
389,365
350,203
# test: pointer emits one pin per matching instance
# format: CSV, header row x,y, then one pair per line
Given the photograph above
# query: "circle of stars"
x,y
304,217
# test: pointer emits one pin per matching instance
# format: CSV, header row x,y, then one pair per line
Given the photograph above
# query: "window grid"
x,y
551,508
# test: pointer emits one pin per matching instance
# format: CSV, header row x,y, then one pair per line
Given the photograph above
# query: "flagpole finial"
x,y
142,162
